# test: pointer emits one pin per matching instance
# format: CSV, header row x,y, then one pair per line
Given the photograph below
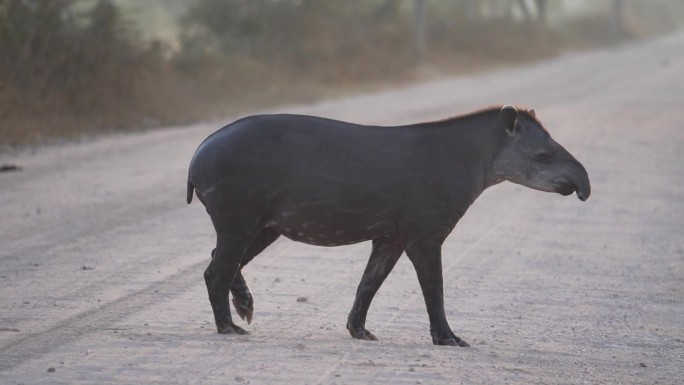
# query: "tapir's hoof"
x,y
244,309
361,334
232,329
450,342
365,335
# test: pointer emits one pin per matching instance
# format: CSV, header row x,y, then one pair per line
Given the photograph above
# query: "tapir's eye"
x,y
543,157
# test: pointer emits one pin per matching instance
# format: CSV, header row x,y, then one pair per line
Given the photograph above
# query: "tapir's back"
x,y
282,138
260,156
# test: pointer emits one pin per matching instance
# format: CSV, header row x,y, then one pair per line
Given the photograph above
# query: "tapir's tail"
x,y
191,188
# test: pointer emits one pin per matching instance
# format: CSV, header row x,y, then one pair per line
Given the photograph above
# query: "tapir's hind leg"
x,y
386,253
219,276
242,298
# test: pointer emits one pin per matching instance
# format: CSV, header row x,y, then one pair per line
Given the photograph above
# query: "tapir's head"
x,y
530,157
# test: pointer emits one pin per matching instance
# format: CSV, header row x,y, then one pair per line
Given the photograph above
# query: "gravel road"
x,y
101,260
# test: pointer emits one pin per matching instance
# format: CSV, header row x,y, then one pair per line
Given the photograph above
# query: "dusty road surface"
x,y
101,260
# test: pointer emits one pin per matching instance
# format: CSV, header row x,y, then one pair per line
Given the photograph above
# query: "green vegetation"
x,y
78,67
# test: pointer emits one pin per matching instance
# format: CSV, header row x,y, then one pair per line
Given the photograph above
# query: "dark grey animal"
x,y
330,183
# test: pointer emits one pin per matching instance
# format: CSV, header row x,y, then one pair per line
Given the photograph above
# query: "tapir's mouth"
x,y
565,189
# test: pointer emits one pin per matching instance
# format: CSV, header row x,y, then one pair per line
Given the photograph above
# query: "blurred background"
x,y
74,68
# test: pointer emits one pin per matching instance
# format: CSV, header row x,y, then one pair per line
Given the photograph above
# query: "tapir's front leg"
x,y
426,257
386,253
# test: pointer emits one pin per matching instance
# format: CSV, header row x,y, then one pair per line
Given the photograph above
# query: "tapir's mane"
x,y
522,110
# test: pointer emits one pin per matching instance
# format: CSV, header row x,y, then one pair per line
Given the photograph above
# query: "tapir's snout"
x,y
577,181
580,181
583,189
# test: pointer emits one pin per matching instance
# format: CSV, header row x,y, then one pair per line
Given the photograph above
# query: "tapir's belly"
x,y
334,225
322,211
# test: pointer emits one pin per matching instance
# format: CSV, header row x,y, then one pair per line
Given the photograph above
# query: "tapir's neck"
x,y
470,143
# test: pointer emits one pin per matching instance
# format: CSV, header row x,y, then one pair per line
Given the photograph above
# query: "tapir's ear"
x,y
508,117
532,112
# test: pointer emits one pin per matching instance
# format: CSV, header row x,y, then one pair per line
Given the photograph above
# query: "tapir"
x,y
330,183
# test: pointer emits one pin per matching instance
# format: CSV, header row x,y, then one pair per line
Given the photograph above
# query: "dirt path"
x,y
101,260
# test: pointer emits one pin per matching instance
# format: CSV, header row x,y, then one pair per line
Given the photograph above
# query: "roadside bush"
x,y
72,70
77,67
